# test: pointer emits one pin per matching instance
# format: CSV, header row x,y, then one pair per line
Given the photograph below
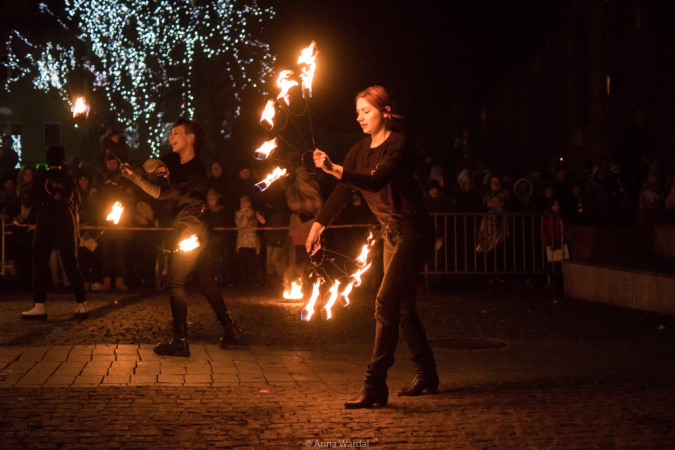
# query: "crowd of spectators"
x,y
258,247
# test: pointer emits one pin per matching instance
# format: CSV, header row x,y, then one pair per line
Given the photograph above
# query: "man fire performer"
x,y
187,186
381,167
55,197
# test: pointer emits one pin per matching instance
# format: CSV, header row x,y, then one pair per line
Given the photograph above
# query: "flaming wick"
x,y
265,150
115,214
308,310
276,174
189,244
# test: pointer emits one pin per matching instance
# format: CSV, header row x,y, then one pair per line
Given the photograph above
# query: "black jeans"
x,y
62,234
182,264
407,247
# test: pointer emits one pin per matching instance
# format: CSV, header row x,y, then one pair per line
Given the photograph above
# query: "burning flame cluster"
x,y
80,109
115,213
285,82
335,295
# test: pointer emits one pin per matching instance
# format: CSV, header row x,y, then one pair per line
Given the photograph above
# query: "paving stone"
x,y
170,378
197,379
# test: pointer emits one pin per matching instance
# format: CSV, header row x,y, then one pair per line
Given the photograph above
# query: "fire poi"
x,y
116,213
280,109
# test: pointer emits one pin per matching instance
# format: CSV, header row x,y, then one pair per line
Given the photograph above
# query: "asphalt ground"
x,y
519,369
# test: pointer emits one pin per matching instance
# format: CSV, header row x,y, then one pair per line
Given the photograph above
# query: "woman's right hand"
x,y
313,243
322,161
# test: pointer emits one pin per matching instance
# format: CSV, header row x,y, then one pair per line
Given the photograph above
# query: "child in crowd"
x,y
248,241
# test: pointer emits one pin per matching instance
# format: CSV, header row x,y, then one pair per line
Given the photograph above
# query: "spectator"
x,y
651,194
523,200
89,252
248,241
9,202
277,215
216,179
467,198
111,187
216,252
8,158
115,143
304,199
435,198
600,196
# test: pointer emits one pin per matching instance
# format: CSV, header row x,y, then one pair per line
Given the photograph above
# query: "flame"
x,y
80,107
360,261
308,310
271,178
294,292
189,244
265,150
354,281
284,83
115,214
308,58
268,114
331,300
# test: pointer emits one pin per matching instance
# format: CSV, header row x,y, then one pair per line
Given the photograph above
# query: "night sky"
x,y
437,63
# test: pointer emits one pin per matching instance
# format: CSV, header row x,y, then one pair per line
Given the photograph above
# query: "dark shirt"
x,y
385,177
187,186
54,196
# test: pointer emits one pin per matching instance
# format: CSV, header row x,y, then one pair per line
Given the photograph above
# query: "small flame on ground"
x,y
308,310
80,107
265,150
276,174
308,58
284,83
294,292
268,114
189,244
115,214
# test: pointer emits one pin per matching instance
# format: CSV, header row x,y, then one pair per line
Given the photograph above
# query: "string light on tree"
x,y
141,54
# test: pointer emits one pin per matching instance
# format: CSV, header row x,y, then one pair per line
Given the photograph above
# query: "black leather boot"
x,y
423,381
374,391
179,345
231,335
369,396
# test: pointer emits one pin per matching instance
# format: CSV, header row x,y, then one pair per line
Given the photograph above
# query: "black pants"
x,y
61,234
182,264
407,247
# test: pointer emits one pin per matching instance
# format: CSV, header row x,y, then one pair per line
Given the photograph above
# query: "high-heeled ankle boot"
x,y
231,335
423,381
374,390
179,345
369,396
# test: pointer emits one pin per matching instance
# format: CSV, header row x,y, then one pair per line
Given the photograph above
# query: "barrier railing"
x,y
466,243
497,243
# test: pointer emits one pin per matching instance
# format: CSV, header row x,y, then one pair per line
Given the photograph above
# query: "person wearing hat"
x,y
113,142
55,198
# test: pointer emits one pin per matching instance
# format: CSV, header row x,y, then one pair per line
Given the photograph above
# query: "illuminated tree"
x,y
141,54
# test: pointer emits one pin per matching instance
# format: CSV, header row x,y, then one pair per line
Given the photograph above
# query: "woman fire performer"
x,y
187,186
381,167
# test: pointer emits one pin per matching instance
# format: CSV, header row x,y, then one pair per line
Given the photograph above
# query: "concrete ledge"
x,y
628,288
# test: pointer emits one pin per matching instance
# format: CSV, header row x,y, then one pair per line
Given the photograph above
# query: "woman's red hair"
x,y
381,100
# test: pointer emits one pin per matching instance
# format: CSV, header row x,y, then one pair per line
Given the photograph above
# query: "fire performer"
x,y
381,167
187,186
55,197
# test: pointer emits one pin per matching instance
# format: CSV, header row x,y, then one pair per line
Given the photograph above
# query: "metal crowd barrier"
x,y
502,243
466,243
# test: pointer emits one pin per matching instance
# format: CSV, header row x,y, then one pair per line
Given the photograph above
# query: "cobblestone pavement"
x,y
518,370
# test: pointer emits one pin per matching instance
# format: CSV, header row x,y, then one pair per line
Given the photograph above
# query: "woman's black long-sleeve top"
x,y
385,176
